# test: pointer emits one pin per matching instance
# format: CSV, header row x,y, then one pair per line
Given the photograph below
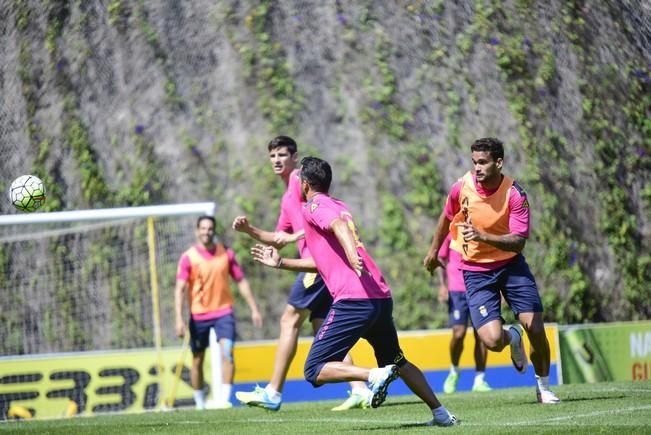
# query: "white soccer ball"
x,y
27,193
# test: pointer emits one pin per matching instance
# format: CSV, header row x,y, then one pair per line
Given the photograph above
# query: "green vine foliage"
x,y
267,67
527,69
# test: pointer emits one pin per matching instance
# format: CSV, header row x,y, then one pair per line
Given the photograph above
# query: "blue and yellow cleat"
x,y
481,387
355,400
450,384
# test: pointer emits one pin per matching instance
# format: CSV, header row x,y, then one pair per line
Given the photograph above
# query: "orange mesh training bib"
x,y
488,214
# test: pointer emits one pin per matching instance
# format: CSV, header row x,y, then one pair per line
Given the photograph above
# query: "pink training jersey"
x,y
518,217
329,255
290,219
453,267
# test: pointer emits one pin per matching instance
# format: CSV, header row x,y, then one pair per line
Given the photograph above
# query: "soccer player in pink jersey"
x,y
308,295
453,291
487,214
362,304
202,279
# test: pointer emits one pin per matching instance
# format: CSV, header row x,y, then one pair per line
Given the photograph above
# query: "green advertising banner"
x,y
606,352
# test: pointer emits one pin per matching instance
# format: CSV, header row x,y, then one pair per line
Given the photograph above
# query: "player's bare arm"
x,y
242,224
506,242
443,287
245,290
179,297
269,256
431,260
281,238
347,240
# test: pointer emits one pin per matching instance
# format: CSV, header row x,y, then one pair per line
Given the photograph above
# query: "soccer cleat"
x,y
450,384
355,400
215,404
481,386
380,385
258,398
450,420
518,355
547,397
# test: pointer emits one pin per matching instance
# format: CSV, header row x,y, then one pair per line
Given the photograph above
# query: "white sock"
x,y
226,392
454,369
440,413
479,377
199,399
274,395
543,382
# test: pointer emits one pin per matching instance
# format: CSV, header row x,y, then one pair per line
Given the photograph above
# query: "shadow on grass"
x,y
409,402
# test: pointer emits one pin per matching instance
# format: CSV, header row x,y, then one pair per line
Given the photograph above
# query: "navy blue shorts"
x,y
310,292
516,283
200,331
347,322
458,311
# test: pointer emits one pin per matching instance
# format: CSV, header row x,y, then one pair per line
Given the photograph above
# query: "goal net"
x,y
87,280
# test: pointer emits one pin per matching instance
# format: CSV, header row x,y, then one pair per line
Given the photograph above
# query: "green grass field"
x,y
622,407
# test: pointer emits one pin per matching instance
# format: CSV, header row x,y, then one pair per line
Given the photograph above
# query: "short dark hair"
x,y
317,173
495,147
283,141
203,218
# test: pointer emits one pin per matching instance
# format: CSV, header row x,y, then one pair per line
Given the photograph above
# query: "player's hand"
x,y
256,318
357,264
443,294
282,238
469,232
431,262
180,328
267,255
241,224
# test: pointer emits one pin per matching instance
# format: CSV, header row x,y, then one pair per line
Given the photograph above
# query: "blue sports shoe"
x,y
380,383
258,398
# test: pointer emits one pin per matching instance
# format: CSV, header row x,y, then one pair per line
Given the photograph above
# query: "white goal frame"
x,y
148,212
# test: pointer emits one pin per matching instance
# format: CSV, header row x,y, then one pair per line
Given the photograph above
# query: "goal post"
x,y
75,280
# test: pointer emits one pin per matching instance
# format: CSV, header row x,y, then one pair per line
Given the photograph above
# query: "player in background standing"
x,y
453,290
487,214
362,304
202,279
308,295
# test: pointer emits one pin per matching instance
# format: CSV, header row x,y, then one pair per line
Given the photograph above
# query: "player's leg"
x,y
481,355
270,397
290,325
522,295
196,379
458,325
199,334
226,332
535,329
291,321
384,339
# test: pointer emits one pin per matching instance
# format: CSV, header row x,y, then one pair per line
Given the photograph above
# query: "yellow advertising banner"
x,y
60,385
